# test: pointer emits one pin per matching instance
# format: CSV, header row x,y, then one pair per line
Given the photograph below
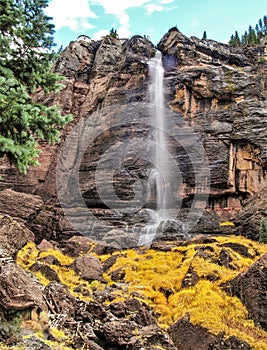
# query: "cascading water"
x,y
159,177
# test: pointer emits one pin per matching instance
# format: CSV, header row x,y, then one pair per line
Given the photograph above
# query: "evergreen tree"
x,y
232,40
252,36
113,33
264,29
258,33
204,37
245,41
25,61
260,24
263,231
235,40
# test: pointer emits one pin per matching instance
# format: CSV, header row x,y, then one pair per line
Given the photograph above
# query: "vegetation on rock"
x,y
185,279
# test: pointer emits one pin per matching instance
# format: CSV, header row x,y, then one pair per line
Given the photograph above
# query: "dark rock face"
x,y
187,336
251,288
250,217
216,91
29,209
21,205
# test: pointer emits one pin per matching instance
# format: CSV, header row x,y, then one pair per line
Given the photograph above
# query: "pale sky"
x,y
95,18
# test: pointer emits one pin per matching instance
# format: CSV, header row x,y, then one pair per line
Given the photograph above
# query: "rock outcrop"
x,y
171,296
187,336
251,287
13,236
217,92
249,219
18,291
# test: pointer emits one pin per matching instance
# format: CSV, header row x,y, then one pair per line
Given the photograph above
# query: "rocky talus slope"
x,y
206,293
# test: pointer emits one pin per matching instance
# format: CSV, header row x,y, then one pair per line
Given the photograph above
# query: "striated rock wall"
x,y
217,91
222,93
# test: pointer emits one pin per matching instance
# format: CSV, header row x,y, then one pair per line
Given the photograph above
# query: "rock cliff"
x,y
216,92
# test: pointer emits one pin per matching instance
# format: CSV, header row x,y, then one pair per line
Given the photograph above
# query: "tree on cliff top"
x,y
25,61
251,36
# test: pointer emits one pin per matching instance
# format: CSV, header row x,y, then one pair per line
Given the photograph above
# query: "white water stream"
x,y
159,177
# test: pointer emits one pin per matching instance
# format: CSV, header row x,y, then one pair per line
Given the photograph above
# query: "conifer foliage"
x,y
25,60
252,36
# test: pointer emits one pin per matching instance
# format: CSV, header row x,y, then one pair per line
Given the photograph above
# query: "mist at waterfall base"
x,y
159,178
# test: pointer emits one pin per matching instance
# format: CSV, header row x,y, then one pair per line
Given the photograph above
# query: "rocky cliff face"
x,y
216,92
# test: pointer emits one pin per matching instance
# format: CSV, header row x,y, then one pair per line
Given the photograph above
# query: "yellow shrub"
x,y
156,278
226,223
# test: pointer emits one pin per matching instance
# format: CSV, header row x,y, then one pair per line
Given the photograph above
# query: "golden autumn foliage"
x,y
184,280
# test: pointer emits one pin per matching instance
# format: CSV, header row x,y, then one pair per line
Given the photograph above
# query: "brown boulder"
x,y
13,236
18,290
139,312
126,334
88,267
76,246
45,270
109,262
116,334
187,336
151,338
251,287
45,245
88,311
239,248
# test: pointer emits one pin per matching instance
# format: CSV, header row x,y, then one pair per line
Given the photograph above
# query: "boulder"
x,y
77,245
13,236
18,291
116,333
88,267
139,312
45,245
251,287
187,336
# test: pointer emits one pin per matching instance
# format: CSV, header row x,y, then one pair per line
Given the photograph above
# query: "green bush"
x,y
10,327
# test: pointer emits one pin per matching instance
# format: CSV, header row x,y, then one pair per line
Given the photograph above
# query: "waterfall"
x,y
159,176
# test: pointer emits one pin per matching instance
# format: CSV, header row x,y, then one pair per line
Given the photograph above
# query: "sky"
x,y
153,18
